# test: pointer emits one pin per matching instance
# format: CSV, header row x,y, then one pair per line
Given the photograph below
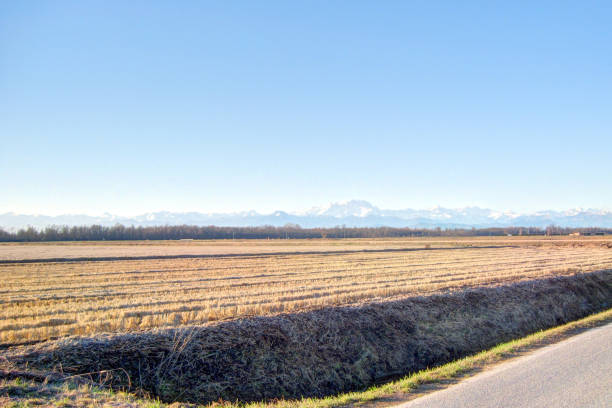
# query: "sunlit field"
x,y
45,300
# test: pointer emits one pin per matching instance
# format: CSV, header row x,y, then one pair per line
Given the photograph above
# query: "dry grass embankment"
x,y
17,391
48,300
325,351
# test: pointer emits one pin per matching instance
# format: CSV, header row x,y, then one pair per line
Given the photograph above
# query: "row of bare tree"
x,y
289,231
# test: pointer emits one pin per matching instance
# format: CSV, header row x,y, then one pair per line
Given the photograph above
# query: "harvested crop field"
x,y
313,353
194,283
251,320
195,248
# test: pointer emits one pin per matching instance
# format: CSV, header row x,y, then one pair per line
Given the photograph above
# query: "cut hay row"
x,y
101,275
41,278
47,300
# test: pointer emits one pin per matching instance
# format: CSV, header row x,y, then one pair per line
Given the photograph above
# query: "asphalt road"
x,y
576,372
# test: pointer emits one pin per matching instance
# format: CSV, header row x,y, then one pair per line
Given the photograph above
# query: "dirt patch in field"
x,y
321,352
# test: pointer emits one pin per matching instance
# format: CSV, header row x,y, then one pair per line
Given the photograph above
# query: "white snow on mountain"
x,y
350,213
353,208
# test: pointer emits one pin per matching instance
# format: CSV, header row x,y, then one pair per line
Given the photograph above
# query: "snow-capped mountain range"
x,y
354,213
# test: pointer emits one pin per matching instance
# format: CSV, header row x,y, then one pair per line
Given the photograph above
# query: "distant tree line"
x,y
289,231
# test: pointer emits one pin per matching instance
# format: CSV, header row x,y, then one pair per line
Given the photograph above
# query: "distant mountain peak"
x,y
358,213
351,208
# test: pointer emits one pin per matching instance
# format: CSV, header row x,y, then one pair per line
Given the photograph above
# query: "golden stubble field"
x,y
44,300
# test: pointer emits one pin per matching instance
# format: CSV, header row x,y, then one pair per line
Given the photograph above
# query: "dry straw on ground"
x,y
325,351
48,300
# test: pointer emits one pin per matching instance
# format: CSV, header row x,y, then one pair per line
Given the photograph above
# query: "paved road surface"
x,y
576,372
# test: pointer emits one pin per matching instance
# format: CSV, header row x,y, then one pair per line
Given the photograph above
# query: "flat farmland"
x,y
195,248
223,280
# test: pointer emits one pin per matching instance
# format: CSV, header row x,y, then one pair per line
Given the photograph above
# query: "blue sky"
x,y
129,107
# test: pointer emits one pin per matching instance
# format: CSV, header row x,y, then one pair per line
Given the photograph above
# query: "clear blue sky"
x,y
129,106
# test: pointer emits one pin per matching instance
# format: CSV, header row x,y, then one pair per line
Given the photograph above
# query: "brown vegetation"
x,y
324,351
47,300
100,250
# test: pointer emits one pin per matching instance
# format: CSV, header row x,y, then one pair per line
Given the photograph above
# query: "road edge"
x,y
438,378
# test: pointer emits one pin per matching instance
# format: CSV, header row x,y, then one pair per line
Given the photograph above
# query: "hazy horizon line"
x,y
301,211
